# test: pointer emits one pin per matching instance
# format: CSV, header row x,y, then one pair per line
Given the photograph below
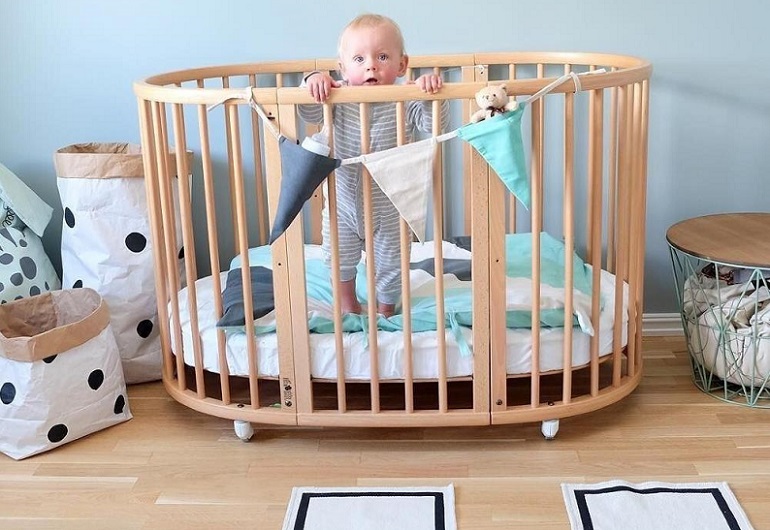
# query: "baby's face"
x,y
372,56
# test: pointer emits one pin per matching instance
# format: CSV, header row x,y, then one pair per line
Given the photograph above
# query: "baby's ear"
x,y
403,65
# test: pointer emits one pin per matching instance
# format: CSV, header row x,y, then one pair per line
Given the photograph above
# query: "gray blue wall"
x,y
66,69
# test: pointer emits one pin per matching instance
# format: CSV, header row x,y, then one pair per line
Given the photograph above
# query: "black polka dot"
x,y
136,242
18,297
22,243
34,290
49,359
78,284
7,393
2,287
47,287
120,404
181,253
57,433
144,328
69,218
28,267
95,379
5,259
17,278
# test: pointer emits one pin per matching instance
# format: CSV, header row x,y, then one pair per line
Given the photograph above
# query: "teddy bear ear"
x,y
502,86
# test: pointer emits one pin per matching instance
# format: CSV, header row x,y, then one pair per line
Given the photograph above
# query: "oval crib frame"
x,y
616,153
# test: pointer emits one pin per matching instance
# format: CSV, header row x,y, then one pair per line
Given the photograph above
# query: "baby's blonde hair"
x,y
370,20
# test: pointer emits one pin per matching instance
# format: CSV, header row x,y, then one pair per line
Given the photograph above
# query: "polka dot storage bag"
x,y
106,243
60,371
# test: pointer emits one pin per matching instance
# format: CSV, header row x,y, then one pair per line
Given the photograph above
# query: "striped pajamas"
x,y
350,209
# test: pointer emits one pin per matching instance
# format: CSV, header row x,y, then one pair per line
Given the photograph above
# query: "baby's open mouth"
x,y
371,81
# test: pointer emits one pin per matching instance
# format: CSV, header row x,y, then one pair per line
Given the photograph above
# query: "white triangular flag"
x,y
404,174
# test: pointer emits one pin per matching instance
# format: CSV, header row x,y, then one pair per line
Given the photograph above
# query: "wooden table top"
x,y
733,238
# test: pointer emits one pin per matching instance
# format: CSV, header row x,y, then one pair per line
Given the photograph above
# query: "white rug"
x,y
617,505
371,509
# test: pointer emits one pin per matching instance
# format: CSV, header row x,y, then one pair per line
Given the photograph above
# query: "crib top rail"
x,y
166,88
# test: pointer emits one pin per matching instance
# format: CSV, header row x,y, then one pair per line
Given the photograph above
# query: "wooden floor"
x,y
171,467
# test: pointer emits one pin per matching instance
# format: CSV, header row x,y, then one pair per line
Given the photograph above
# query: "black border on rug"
x,y
438,503
585,516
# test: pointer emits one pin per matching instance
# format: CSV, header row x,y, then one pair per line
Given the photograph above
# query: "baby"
x,y
371,52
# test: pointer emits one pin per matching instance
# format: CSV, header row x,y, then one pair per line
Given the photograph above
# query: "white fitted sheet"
x,y
391,344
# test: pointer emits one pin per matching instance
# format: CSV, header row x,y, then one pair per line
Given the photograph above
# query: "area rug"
x,y
429,508
662,506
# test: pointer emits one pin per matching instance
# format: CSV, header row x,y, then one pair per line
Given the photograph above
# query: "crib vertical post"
x,y
642,202
191,269
335,271
594,222
169,231
438,259
242,244
511,197
151,188
259,178
536,223
213,245
406,289
621,240
371,289
288,359
569,238
612,179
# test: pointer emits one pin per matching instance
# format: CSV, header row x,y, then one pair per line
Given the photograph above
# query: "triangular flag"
x,y
498,140
404,174
302,172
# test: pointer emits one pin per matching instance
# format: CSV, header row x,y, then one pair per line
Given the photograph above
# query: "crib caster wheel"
x,y
243,430
549,428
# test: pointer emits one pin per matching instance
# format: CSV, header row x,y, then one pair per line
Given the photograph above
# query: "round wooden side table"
x,y
721,269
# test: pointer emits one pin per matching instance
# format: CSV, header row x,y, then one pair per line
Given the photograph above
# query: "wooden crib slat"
x,y
438,260
642,203
259,178
334,250
238,195
512,203
229,144
621,242
536,223
594,236
191,269
612,181
569,239
406,289
155,216
371,289
471,158
213,245
637,219
169,232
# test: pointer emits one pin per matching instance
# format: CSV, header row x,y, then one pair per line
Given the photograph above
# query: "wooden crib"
x,y
587,153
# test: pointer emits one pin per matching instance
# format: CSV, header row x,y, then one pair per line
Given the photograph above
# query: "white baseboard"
x,y
658,324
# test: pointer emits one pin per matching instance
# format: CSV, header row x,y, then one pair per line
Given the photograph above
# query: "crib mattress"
x,y
391,343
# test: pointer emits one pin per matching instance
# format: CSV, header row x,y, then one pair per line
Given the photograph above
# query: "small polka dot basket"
x,y
60,371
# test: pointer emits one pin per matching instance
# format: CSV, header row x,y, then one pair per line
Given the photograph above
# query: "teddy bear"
x,y
492,100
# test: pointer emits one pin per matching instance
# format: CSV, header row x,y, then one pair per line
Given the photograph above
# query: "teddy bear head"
x,y
492,97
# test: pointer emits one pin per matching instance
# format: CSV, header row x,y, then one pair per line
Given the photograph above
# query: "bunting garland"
x,y
498,140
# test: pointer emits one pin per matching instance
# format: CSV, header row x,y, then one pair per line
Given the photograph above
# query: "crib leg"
x,y
549,428
243,430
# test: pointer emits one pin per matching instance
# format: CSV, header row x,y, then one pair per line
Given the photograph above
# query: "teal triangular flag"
x,y
498,140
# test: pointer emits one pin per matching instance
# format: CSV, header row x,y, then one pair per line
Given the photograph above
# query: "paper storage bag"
x,y
106,243
60,371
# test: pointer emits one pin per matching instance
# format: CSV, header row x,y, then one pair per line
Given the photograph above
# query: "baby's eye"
x,y
383,57
358,59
